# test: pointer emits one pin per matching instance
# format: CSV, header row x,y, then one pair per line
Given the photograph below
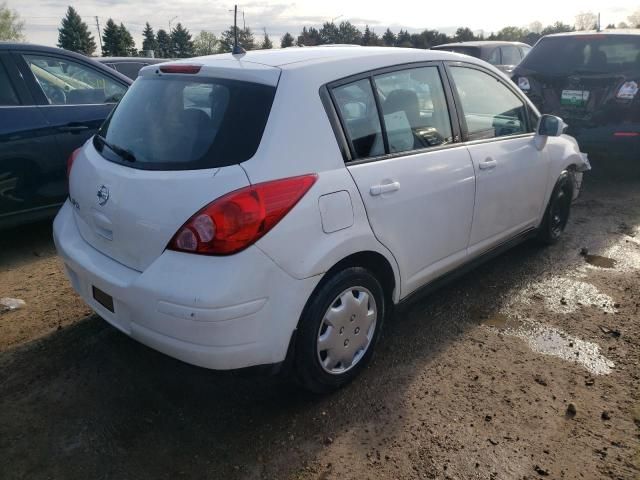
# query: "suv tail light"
x,y
71,159
238,219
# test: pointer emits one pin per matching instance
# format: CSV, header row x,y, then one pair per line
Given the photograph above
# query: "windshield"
x,y
186,123
595,53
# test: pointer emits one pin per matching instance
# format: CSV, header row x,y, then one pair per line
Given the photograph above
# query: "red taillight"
x,y
71,159
236,220
180,68
626,134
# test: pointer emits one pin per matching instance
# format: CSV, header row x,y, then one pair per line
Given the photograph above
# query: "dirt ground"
x,y
526,368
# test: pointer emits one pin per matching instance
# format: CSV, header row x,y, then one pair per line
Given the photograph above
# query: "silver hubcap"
x,y
346,330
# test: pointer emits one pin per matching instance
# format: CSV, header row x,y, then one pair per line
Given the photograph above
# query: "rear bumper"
x,y
621,140
215,312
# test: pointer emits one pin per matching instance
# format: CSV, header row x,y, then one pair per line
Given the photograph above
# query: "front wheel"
x,y
557,214
338,330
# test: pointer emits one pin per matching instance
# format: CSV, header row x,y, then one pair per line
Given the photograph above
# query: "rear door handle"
x,y
488,164
73,128
384,188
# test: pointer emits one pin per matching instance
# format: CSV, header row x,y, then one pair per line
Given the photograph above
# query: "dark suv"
x,y
591,81
51,102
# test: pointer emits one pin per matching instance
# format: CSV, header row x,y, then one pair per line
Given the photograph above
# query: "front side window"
x,y
414,109
8,94
65,82
490,108
357,107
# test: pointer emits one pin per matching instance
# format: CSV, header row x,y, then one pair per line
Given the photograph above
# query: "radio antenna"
x,y
237,49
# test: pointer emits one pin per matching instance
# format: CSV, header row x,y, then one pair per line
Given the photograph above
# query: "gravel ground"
x,y
525,368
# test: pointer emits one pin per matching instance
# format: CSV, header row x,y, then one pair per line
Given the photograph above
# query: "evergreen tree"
x,y
74,34
149,41
126,44
286,40
309,37
181,42
245,39
266,43
389,38
110,39
164,49
348,33
464,34
404,39
329,33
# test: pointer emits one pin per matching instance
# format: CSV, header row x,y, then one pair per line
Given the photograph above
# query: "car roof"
x,y
617,31
326,54
480,43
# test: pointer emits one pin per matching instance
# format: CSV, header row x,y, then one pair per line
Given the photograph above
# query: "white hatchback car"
x,y
270,208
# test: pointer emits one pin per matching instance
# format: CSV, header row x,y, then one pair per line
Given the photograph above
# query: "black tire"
x,y
558,210
308,357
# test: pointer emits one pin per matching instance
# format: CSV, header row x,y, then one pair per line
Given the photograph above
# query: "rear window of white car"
x,y
186,123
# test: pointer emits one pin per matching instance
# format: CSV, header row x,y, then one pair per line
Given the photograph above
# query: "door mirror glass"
x,y
551,126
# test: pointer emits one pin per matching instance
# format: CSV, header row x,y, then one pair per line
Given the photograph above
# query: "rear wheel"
x,y
338,330
558,210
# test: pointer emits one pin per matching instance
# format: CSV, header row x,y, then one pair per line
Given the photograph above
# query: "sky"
x,y
42,17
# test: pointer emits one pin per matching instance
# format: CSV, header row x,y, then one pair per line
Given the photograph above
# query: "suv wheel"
x,y
338,330
557,213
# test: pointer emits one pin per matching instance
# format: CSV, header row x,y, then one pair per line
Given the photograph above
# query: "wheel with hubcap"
x,y
338,330
558,210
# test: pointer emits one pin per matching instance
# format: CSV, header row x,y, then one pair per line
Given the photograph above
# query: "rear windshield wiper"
x,y
121,152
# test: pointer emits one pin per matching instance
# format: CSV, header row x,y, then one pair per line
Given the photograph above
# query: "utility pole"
x,y
99,34
244,26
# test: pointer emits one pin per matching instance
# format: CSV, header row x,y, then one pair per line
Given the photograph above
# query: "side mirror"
x,y
551,126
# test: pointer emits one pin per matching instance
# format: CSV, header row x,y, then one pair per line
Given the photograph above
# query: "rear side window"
x,y
490,109
8,95
510,55
130,69
357,107
494,57
414,109
173,123
597,53
66,82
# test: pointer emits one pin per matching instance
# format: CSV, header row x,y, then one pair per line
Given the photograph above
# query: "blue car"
x,y
51,102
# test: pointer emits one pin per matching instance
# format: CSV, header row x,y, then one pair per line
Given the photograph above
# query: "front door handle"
x,y
488,164
384,188
71,128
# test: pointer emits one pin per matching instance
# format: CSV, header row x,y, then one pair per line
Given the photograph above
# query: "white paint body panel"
x,y
428,218
241,310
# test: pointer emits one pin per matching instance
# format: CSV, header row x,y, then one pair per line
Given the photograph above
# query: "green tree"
x,y
149,42
110,39
403,39
511,34
464,34
266,43
557,27
164,49
286,40
126,44
245,39
369,37
205,43
389,38
329,33
181,42
348,33
309,37
74,34
11,26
